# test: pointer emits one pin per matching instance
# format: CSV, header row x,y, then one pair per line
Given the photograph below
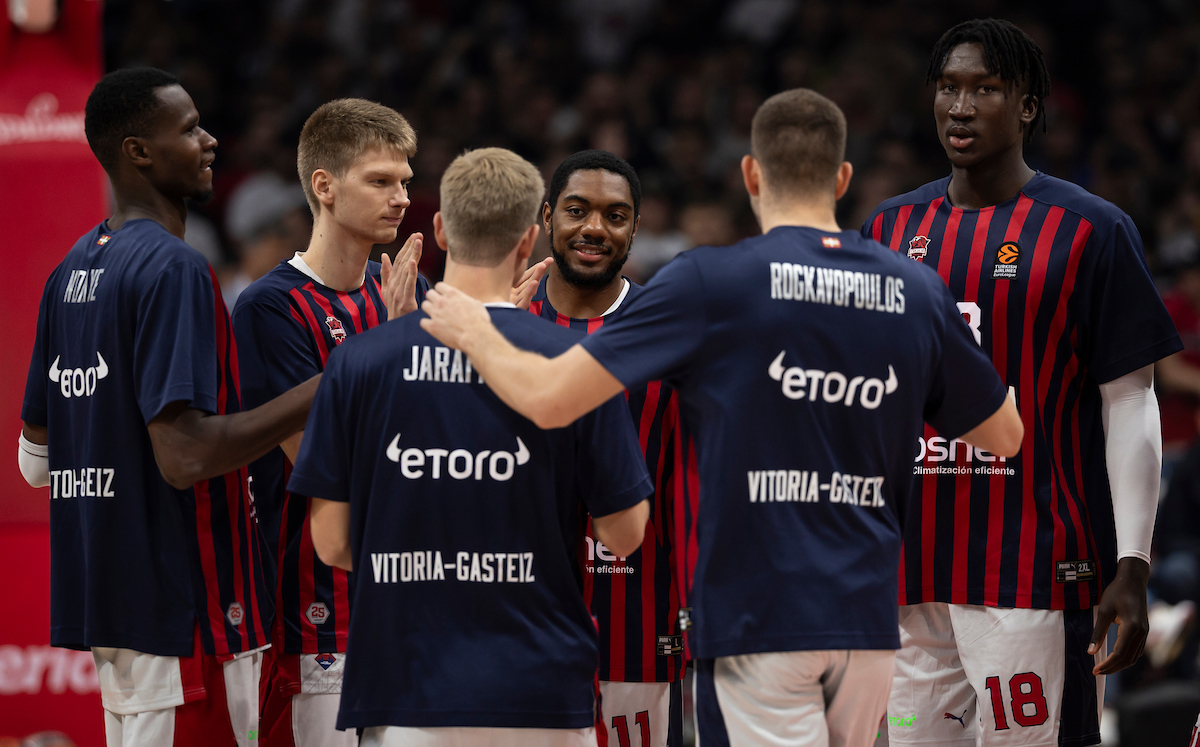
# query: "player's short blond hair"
x,y
339,132
798,138
490,197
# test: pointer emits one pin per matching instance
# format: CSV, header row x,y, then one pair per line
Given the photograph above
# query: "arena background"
x,y
671,86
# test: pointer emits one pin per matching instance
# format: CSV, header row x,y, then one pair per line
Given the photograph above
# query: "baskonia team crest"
x,y
336,329
1008,256
918,247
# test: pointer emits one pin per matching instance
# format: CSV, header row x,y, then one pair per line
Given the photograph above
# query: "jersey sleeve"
x,y
33,409
1123,323
612,472
964,388
175,345
660,332
274,351
323,465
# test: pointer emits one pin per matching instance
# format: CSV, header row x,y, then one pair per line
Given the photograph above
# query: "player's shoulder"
x,y
922,195
375,270
532,332
1099,212
165,248
274,288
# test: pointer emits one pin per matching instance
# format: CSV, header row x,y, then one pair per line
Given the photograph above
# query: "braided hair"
x,y
1007,52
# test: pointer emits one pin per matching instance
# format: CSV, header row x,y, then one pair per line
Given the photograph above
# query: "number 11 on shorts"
x,y
1026,699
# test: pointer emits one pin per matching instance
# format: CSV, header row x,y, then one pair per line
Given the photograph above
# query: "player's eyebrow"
x,y
586,201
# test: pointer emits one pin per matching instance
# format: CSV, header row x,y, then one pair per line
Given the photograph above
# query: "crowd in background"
x,y
672,86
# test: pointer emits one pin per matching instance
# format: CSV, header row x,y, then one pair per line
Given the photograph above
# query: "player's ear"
x,y
636,221
439,232
525,245
844,173
751,175
1029,109
134,149
547,211
322,187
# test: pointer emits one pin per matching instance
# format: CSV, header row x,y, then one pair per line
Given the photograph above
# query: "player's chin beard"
x,y
586,280
201,196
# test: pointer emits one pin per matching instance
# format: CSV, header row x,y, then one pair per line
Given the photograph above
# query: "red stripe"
x,y
278,633
978,244
351,309
650,543
535,308
877,227
326,308
341,606
946,250
208,567
1030,403
667,520
561,320
314,326
991,591
306,585
616,620
594,324
927,219
902,588
898,231
373,313
1084,593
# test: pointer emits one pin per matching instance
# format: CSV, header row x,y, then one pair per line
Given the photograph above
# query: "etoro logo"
x,y
831,386
460,464
235,614
78,382
317,613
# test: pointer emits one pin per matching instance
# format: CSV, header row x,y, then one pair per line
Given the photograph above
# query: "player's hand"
x,y
1123,602
399,286
523,292
453,316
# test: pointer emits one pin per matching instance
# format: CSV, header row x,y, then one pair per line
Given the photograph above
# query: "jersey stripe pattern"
x,y
297,322
1054,285
634,600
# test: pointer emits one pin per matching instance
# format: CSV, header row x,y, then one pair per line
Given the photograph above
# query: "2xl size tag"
x,y
1008,259
1068,571
669,645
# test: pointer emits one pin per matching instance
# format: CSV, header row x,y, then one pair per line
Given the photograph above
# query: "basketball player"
x,y
460,517
1014,569
802,358
353,164
590,218
132,418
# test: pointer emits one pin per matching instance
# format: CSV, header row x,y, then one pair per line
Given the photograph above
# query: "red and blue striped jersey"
x,y
1055,286
634,600
287,323
131,321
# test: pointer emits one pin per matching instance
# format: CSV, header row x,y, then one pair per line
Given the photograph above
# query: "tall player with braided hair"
x,y
1013,571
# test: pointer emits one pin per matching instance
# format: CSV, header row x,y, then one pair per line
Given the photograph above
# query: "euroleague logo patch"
x,y
1008,257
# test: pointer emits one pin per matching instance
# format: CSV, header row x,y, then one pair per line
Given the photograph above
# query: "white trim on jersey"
x,y
298,262
620,299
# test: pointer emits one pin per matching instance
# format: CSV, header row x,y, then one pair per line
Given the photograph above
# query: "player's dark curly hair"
x,y
589,160
1007,51
122,105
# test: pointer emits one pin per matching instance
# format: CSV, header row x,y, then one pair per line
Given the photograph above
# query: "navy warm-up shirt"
x,y
130,321
465,525
805,362
287,324
1055,287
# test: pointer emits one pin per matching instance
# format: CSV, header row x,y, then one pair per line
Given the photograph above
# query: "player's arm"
x,y
1133,453
1001,433
33,455
330,522
622,532
552,392
191,445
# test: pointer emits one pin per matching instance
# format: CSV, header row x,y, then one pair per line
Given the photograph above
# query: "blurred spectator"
x,y
1179,375
707,224
269,221
657,241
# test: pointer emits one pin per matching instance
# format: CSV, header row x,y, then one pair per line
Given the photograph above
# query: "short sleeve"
x,y
660,332
275,351
1123,324
175,342
964,388
323,465
611,474
33,409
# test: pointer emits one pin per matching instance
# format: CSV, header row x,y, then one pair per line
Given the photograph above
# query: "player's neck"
x,y
336,256
578,302
991,182
152,204
484,284
772,214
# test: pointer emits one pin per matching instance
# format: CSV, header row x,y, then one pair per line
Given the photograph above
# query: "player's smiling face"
x,y
370,199
181,150
979,114
591,228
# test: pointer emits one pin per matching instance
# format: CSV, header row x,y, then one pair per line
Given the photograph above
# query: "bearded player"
x,y
590,216
1013,570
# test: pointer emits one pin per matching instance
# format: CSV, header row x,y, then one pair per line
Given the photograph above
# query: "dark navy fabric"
x,y
286,325
1074,307
465,526
710,722
131,321
802,360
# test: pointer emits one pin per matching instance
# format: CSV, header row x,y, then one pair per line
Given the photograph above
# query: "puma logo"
x,y
959,719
